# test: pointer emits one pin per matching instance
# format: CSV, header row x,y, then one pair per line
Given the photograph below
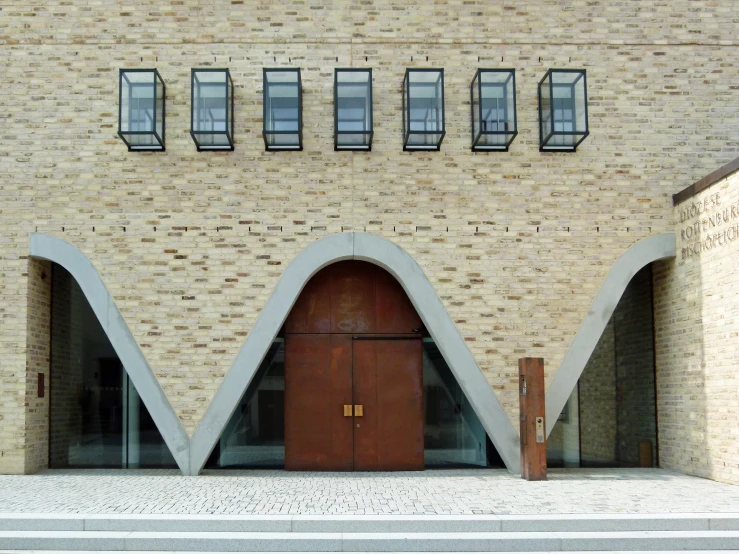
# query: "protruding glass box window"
x,y
493,99
423,109
353,109
212,105
283,110
563,110
141,109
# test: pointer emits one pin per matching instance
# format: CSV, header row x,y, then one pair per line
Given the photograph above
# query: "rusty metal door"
x,y
353,401
388,386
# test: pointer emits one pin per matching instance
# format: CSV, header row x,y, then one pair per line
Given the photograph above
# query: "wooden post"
x,y
533,422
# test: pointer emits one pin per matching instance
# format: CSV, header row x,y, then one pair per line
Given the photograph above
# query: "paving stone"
x,y
447,492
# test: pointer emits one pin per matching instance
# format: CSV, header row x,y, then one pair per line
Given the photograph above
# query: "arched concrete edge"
x,y
440,326
635,258
400,264
76,263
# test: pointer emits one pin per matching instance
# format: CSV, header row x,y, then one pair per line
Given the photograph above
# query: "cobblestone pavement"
x,y
479,491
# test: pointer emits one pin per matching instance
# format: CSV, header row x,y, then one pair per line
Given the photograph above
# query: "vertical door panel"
x,y
388,382
341,394
365,395
400,405
317,385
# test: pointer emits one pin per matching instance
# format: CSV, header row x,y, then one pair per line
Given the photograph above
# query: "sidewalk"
x,y
447,492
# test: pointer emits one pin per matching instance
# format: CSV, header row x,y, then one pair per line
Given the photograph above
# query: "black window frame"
x,y
265,91
407,132
229,107
123,133
476,147
367,146
544,142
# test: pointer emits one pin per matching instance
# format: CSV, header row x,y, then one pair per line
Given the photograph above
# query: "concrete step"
x,y
510,541
548,552
223,523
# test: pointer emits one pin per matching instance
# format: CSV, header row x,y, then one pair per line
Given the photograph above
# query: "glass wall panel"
x,y
97,418
563,443
453,433
255,435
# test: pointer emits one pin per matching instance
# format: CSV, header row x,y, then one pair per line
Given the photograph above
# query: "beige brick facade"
x,y
697,326
191,244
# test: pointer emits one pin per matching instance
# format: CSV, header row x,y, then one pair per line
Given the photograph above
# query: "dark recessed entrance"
x,y
353,374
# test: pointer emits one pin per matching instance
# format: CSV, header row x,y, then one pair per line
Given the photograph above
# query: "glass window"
x,y
212,109
255,434
563,112
423,109
610,418
453,434
493,98
353,109
141,109
283,113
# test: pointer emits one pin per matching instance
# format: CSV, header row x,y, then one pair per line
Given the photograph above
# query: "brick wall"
x,y
598,411
36,441
697,325
67,376
636,417
617,406
191,244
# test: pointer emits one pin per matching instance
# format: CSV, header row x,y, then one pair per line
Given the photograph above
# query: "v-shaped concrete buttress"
x,y
76,263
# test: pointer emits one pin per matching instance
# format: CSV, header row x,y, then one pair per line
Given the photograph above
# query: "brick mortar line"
x,y
442,42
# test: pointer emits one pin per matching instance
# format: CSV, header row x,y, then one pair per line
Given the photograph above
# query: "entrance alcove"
x,y
353,382
610,419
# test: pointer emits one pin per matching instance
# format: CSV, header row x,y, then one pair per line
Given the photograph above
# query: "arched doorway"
x,y
353,374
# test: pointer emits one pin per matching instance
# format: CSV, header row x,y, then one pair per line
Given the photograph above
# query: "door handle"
x,y
347,410
358,410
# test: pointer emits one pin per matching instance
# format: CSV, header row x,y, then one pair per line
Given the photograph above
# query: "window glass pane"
x,y
141,107
425,101
475,89
96,418
545,100
210,108
255,434
494,105
453,435
563,443
353,110
282,104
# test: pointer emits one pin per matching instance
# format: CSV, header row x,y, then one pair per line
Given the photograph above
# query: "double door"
x,y
353,402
